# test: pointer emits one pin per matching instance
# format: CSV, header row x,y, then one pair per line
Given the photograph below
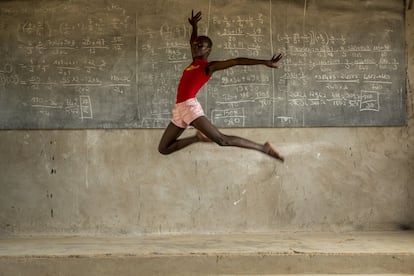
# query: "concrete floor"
x,y
254,254
288,243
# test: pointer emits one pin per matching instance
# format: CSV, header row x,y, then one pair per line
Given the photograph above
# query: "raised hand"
x,y
193,20
273,62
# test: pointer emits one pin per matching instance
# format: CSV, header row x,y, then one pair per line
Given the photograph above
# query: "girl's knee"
x,y
163,149
221,140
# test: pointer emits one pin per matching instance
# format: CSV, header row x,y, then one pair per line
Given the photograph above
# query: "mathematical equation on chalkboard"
x,y
100,64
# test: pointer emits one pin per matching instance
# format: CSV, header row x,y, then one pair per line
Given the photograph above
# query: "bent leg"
x,y
208,129
170,143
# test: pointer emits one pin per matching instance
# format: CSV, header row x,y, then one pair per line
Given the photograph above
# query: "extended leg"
x,y
204,125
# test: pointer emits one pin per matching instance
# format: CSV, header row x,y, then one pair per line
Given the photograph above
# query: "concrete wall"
x,y
114,181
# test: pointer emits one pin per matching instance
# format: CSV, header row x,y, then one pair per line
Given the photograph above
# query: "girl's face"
x,y
201,48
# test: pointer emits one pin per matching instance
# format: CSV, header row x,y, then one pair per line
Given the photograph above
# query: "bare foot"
x,y
201,137
272,152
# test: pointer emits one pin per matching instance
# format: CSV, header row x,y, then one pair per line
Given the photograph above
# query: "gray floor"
x,y
232,254
283,243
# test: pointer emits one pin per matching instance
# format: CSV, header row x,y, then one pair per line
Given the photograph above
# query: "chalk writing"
x,y
243,87
345,75
80,107
230,117
113,64
74,56
86,107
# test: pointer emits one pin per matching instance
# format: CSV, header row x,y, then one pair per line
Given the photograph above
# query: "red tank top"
x,y
193,78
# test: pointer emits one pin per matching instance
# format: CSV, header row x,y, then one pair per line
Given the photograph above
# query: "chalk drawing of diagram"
x,y
233,117
369,101
86,107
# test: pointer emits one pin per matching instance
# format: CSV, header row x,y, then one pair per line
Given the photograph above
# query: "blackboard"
x,y
116,64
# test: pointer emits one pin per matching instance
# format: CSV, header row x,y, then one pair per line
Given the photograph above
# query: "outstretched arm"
x,y
193,20
221,65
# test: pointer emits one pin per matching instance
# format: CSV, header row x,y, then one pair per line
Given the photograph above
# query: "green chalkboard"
x,y
116,64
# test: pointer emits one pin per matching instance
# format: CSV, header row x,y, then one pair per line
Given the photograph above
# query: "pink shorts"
x,y
186,112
